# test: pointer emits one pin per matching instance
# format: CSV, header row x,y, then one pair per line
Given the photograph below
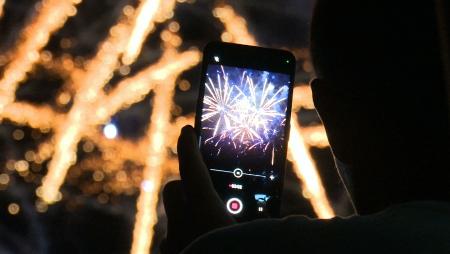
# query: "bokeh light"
x,y
110,131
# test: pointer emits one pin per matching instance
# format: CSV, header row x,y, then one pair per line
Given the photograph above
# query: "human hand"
x,y
192,205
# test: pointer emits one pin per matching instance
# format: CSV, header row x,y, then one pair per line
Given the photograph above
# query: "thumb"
x,y
174,203
198,187
193,171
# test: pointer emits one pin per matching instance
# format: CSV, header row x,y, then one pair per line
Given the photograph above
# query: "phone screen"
x,y
243,139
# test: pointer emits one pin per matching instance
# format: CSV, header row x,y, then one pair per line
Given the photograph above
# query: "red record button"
x,y
234,205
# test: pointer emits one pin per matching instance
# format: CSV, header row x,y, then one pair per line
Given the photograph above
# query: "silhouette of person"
x,y
379,90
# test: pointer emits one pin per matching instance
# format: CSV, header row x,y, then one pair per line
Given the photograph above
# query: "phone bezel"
x,y
252,57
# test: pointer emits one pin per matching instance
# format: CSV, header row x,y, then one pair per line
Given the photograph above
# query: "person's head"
x,y
380,93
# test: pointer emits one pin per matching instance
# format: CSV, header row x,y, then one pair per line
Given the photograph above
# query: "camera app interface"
x,y
242,136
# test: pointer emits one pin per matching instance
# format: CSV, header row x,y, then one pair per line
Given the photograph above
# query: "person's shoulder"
x,y
421,216
422,207
419,227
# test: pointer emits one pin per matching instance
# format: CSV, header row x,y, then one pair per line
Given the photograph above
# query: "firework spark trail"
x,y
245,114
218,102
98,73
254,116
235,26
306,171
146,216
50,17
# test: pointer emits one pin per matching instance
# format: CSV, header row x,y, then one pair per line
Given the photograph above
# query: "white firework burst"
x,y
243,114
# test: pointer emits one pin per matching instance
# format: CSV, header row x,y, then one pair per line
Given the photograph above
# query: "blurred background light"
x,y
110,131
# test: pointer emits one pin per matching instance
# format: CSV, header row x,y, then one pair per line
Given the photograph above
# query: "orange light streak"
x,y
121,149
235,26
143,25
136,151
99,71
146,216
2,4
306,171
42,117
134,89
64,66
302,98
315,136
175,130
148,13
51,16
127,92
44,151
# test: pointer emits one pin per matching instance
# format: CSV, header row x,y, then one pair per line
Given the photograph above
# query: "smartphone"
x,y
242,122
